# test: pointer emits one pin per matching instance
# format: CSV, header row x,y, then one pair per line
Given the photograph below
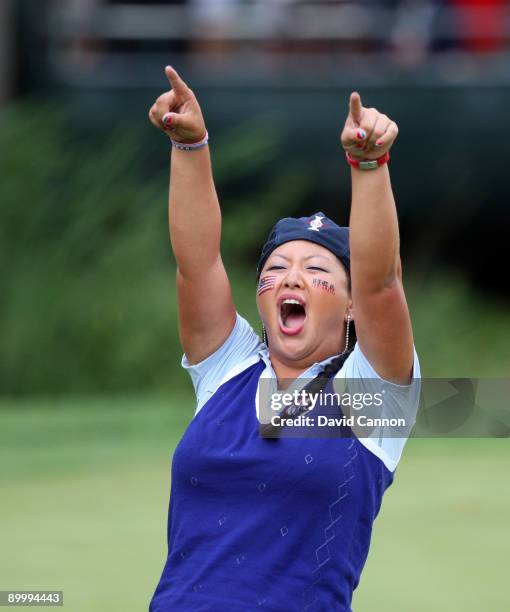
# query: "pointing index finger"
x,y
355,106
178,85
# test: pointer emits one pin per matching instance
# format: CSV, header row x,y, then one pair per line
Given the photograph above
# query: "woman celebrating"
x,y
281,523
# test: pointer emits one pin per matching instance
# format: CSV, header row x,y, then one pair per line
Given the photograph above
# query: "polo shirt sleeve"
x,y
239,348
400,401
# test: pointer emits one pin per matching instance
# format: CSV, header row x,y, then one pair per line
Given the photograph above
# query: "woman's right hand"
x,y
177,112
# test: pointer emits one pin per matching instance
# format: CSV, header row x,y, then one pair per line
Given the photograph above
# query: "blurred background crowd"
x,y
92,398
88,42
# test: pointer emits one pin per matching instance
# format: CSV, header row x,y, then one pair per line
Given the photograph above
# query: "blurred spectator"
x,y
81,12
412,33
223,26
480,23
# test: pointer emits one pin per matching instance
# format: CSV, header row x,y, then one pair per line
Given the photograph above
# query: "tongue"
x,y
294,320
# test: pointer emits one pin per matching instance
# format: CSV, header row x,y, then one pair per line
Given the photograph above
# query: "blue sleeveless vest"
x,y
265,524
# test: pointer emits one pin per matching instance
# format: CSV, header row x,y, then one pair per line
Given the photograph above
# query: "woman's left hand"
x,y
367,133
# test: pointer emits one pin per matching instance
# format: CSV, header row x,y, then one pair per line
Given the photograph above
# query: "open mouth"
x,y
292,316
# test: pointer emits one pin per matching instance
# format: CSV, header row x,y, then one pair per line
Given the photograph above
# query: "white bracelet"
x,y
182,146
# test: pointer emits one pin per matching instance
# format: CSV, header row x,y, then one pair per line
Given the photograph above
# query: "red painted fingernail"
x,y
361,134
167,119
358,145
379,143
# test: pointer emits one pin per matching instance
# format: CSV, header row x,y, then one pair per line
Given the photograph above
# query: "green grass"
x,y
85,485
441,539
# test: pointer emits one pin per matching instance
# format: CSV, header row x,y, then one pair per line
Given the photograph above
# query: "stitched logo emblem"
x,y
316,223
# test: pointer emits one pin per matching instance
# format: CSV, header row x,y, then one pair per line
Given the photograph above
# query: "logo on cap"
x,y
316,223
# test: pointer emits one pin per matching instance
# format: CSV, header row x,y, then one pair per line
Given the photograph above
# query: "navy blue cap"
x,y
317,228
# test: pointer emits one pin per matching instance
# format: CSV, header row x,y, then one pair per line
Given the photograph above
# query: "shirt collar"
x,y
311,372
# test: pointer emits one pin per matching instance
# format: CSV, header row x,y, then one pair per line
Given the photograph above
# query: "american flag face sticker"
x,y
265,283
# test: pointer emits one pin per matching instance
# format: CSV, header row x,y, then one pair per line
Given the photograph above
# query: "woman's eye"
x,y
276,268
317,268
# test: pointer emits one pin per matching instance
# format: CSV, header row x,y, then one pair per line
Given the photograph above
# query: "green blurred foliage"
x,y
81,243
88,299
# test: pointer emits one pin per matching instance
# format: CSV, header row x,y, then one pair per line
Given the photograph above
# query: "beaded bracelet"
x,y
191,146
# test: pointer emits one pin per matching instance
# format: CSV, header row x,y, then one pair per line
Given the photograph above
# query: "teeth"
x,y
290,301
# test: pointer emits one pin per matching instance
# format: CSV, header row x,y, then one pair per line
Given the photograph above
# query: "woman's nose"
x,y
293,279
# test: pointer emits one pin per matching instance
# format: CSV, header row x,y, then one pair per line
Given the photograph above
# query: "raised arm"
x,y
380,312
206,310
